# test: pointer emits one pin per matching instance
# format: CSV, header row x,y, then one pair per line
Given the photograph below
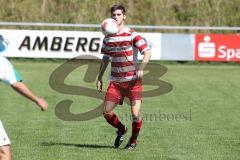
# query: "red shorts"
x,y
118,90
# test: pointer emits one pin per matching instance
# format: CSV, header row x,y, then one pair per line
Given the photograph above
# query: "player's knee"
x,y
136,117
107,114
106,111
5,154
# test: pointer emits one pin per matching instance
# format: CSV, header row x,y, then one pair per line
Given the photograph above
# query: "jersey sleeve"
x,y
8,74
106,56
139,42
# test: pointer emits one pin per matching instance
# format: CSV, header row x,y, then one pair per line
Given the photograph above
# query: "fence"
x,y
164,46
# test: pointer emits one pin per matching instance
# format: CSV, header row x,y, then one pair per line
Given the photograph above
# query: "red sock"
x,y
113,120
136,126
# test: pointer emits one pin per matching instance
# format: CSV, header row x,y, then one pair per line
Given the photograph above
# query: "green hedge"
x,y
140,12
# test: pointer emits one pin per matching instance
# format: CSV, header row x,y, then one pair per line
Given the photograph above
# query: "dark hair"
x,y
118,6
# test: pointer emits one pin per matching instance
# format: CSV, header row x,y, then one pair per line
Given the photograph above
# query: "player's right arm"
x,y
10,76
22,88
103,66
102,69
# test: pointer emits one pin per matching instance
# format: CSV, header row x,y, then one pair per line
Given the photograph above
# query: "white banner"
x,y
154,41
63,44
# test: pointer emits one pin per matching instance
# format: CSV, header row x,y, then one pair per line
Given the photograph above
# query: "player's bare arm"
x,y
146,58
102,69
25,91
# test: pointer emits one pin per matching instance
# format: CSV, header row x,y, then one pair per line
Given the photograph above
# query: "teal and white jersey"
x,y
8,74
4,140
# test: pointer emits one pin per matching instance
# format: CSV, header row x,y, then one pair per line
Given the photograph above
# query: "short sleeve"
x,y
8,74
139,42
106,56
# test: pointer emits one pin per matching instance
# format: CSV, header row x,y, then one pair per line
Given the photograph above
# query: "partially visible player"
x,y
126,75
10,76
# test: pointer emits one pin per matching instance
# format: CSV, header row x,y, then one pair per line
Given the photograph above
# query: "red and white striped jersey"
x,y
122,50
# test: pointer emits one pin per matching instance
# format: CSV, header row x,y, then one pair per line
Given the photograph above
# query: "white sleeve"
x,y
8,73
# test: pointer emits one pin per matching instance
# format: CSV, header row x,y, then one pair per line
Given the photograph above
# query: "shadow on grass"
x,y
50,144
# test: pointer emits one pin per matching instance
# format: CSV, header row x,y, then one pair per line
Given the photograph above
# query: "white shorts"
x,y
4,140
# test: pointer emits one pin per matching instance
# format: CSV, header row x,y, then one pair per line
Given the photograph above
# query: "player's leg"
x,y
5,153
136,123
113,120
112,98
107,108
135,97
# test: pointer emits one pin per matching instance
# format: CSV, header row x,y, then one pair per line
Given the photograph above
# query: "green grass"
x,y
209,91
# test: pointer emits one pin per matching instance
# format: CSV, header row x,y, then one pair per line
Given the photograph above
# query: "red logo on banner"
x,y
217,47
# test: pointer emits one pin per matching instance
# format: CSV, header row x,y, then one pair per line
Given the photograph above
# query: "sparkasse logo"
x,y
217,47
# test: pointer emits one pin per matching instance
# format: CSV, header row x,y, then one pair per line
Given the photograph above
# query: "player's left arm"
x,y
146,58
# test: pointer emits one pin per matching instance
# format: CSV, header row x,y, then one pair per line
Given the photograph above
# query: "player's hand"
x,y
140,74
42,104
99,85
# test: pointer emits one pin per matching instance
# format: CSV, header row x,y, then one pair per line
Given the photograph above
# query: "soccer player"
x,y
126,75
9,75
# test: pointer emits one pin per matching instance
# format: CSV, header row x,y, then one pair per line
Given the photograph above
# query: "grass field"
x,y
200,117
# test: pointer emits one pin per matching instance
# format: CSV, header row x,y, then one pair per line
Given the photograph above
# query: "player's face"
x,y
118,16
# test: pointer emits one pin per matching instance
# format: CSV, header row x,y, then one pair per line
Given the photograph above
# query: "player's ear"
x,y
124,17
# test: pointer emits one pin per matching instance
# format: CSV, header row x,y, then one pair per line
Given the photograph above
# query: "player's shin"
x,y
136,126
113,120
